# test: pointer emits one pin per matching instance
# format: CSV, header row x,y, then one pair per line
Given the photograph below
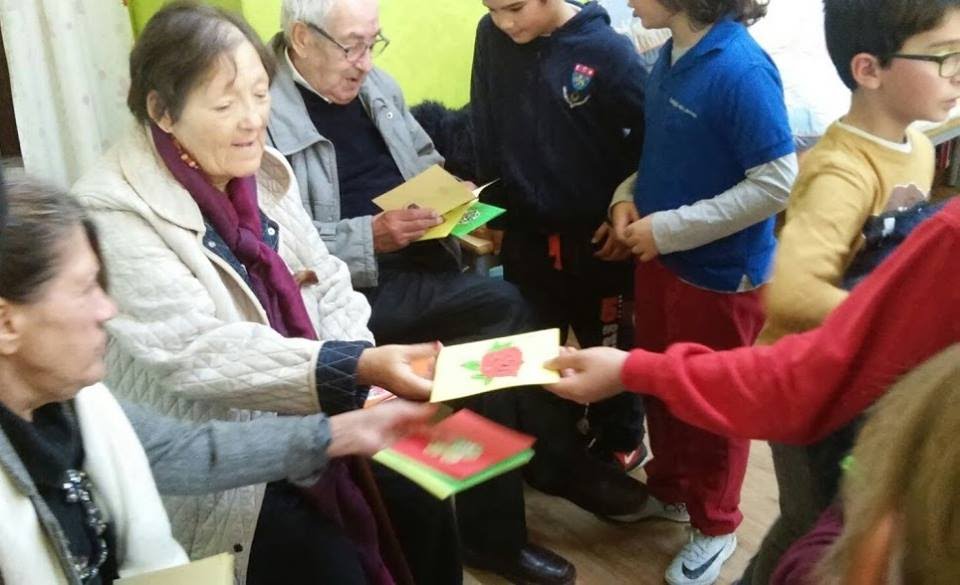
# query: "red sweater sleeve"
x,y
805,386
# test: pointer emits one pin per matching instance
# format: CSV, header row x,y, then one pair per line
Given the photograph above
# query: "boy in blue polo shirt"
x,y
718,163
557,112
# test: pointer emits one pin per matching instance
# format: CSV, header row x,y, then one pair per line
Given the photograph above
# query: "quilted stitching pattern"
x,y
336,381
191,340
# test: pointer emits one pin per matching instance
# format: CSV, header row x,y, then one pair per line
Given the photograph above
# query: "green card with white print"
x,y
478,215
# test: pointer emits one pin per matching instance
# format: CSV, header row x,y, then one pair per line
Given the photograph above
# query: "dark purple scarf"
x,y
235,216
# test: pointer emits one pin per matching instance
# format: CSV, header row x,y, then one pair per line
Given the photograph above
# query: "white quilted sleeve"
x,y
167,324
342,312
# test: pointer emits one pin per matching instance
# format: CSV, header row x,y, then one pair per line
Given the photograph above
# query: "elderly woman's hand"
x,y
405,370
364,432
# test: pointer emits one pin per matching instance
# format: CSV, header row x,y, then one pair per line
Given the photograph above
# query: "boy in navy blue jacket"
x,y
557,106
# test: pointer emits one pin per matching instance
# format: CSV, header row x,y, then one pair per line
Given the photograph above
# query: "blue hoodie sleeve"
x,y
481,111
625,93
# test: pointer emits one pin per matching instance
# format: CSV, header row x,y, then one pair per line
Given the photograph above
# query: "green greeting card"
x,y
476,216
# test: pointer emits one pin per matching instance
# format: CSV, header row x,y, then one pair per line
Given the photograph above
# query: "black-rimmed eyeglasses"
x,y
949,64
356,51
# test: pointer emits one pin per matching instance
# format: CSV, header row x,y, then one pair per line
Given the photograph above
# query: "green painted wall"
x,y
431,41
431,47
142,10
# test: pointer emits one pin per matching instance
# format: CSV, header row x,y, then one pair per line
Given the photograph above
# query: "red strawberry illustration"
x,y
501,361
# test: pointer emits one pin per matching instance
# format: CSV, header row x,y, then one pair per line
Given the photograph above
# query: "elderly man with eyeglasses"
x,y
346,131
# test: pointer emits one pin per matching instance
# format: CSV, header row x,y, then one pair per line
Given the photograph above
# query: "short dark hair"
x,y
707,12
40,218
178,48
876,27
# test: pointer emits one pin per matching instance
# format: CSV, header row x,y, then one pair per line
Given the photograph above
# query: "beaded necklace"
x,y
78,490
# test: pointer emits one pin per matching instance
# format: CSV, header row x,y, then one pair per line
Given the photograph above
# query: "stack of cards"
x,y
460,452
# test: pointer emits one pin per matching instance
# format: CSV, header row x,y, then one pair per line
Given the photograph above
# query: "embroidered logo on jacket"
x,y
683,108
577,93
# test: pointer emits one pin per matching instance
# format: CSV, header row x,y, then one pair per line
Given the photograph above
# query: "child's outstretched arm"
x,y
589,375
805,386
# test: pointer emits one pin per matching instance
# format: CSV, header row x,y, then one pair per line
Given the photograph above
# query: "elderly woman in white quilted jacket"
x,y
230,306
77,497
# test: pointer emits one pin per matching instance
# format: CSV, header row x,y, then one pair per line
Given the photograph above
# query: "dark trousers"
x,y
425,527
418,302
593,298
801,502
423,297
295,544
808,478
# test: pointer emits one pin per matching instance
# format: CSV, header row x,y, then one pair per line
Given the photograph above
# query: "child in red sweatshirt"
x,y
806,385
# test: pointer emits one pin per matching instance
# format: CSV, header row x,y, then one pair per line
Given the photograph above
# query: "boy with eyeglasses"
x,y
900,59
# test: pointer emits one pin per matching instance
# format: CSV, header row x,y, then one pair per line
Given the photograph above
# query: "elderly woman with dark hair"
x,y
230,306
77,497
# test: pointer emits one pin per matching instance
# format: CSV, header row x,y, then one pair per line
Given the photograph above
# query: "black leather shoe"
x,y
599,488
534,565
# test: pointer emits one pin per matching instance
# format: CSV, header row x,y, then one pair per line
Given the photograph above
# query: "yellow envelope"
x,y
434,189
478,190
481,366
452,218
216,570
450,221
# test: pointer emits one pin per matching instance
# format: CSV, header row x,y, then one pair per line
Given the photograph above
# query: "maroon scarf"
x,y
235,216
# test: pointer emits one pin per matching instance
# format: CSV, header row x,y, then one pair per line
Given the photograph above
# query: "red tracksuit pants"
x,y
692,466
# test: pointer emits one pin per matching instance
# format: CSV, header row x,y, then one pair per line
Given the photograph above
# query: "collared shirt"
x,y
299,79
710,117
364,164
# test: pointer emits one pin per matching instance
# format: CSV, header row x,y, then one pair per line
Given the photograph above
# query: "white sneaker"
x,y
700,560
654,509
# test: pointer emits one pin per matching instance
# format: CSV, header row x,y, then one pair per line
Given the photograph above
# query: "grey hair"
x,y
313,11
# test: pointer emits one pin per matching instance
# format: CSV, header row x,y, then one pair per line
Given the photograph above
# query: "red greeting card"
x,y
464,444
